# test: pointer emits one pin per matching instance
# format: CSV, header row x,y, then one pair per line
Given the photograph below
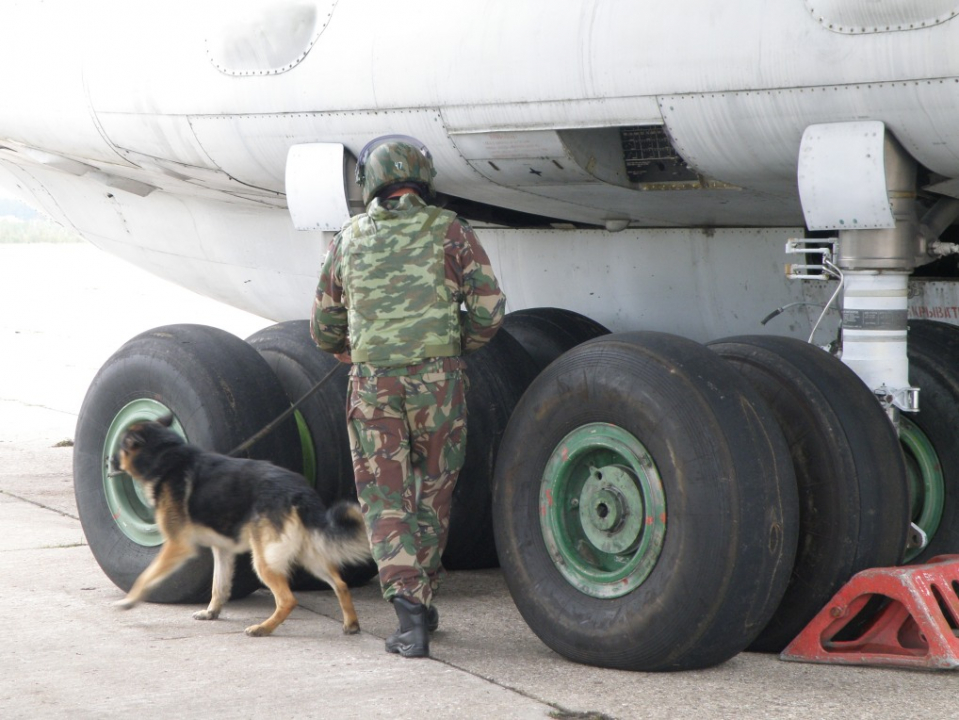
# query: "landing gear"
x,y
851,478
929,439
220,392
299,364
645,505
498,375
547,332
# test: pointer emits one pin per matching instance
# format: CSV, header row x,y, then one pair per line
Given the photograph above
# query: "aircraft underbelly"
x,y
700,283
220,110
179,136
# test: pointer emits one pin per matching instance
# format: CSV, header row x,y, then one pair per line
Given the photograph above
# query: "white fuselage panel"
x,y
161,131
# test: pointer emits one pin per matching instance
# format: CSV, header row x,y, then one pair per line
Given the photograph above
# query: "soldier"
x,y
390,300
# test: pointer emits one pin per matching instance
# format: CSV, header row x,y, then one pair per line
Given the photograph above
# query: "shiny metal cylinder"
x,y
896,248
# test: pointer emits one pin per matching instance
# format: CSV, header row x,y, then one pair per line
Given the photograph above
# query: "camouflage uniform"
x,y
407,408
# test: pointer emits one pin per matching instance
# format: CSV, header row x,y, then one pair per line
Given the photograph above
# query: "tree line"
x,y
39,230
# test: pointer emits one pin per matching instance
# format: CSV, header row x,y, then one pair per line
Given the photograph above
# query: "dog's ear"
x,y
133,440
166,420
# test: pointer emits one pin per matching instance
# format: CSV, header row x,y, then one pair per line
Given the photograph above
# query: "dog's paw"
x,y
257,631
125,604
351,629
206,615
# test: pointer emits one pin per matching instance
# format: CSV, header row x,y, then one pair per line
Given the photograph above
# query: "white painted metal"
x,y
700,284
934,300
842,179
703,284
189,105
261,39
316,186
874,333
876,16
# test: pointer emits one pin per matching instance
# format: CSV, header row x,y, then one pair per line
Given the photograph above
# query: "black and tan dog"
x,y
233,506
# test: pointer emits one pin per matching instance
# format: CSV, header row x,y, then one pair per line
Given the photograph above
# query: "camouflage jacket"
x,y
468,278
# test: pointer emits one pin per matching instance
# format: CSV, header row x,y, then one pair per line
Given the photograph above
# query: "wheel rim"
x,y
129,506
927,487
602,510
309,454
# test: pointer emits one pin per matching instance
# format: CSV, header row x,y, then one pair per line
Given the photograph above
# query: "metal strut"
x,y
856,179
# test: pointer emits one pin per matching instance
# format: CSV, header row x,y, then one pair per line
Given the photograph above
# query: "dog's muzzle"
x,y
113,467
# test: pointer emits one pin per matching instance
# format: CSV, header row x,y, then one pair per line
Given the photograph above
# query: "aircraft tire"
x,y
851,478
299,364
220,392
645,506
498,374
929,439
547,332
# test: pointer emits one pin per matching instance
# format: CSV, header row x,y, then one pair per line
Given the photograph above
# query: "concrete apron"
x,y
68,651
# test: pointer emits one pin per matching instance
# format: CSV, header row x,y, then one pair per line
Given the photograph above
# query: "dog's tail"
x,y
344,535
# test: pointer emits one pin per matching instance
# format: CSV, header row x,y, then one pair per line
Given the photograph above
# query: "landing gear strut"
x,y
880,241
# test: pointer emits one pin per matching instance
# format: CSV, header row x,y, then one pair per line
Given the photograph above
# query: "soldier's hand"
x,y
344,357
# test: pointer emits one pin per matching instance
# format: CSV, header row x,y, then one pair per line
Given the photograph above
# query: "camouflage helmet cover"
x,y
392,159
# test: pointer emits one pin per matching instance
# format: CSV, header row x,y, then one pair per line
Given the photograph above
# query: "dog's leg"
x,y
223,564
279,585
351,624
330,574
172,555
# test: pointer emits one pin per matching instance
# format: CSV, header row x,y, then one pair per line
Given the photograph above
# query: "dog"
x,y
232,506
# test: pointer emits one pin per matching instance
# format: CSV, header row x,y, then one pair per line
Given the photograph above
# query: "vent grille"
x,y
651,158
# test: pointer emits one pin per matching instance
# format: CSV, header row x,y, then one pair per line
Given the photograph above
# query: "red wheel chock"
x,y
917,626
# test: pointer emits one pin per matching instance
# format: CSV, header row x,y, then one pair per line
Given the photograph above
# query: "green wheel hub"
x,y
309,453
927,487
602,510
128,504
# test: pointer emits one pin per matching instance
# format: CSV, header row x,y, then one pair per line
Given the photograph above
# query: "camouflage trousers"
x,y
408,440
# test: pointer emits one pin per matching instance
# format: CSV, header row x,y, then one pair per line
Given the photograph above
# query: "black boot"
x,y
432,618
412,639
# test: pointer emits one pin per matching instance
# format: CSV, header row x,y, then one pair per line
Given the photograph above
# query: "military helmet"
x,y
392,160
